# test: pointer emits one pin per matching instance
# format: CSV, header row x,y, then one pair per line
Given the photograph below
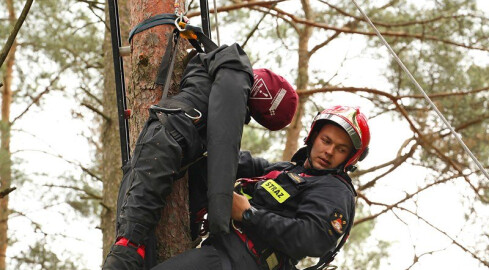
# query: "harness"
x,y
197,37
168,107
269,259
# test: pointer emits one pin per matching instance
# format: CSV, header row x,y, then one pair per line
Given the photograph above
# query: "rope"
x,y
467,150
217,24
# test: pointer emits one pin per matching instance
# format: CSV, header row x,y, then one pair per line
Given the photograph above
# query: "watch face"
x,y
247,214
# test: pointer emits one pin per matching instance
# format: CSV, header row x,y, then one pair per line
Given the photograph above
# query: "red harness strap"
x,y
249,244
122,241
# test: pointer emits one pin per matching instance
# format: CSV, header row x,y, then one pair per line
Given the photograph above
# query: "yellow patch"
x,y
272,261
276,190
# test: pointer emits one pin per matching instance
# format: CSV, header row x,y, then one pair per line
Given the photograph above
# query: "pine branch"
x,y
97,111
252,32
401,24
10,41
83,168
90,194
6,192
36,99
93,4
399,34
454,241
88,93
396,204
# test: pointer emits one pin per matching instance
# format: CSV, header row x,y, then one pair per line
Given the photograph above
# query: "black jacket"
x,y
309,212
218,85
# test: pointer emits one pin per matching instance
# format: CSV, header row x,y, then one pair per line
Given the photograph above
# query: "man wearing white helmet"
x,y
283,212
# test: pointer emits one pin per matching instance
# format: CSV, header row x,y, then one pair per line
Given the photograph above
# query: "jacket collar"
x,y
300,158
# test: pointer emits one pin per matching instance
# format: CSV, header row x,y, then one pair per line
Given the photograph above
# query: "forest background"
x,y
422,203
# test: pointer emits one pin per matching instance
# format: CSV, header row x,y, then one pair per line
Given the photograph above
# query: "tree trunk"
x,y
148,48
294,129
111,151
5,156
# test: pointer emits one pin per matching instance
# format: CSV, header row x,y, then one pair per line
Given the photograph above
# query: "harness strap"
x,y
326,259
170,106
140,249
160,19
196,37
167,64
204,14
267,259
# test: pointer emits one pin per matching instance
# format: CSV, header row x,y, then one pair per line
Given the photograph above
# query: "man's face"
x,y
331,147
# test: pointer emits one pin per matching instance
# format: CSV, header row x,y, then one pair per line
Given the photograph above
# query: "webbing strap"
x,y
204,15
167,64
196,37
160,19
169,19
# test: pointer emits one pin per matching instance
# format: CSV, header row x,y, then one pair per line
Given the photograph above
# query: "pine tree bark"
x,y
294,129
110,165
5,155
148,48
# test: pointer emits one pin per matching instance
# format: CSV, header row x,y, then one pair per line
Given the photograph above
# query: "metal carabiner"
x,y
195,118
178,20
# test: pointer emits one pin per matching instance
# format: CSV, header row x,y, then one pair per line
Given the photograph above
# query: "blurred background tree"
x,y
417,181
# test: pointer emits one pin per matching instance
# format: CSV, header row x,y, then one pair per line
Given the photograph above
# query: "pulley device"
x,y
198,37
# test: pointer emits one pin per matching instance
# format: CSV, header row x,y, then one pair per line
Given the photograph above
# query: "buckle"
x,y
140,249
164,110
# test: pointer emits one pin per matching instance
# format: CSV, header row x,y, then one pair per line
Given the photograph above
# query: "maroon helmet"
x,y
353,122
273,101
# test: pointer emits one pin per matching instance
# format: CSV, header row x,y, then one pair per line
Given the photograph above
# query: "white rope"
x,y
217,24
422,91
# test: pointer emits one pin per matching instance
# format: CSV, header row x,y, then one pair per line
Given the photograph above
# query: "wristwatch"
x,y
248,214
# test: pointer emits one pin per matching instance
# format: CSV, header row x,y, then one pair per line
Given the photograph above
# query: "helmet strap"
x,y
308,155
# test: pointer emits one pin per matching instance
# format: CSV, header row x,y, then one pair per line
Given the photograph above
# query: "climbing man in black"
x,y
301,208
219,93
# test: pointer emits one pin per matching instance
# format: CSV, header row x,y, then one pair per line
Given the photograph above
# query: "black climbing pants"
x,y
163,146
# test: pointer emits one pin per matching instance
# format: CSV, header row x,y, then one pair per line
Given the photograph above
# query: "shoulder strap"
x,y
330,255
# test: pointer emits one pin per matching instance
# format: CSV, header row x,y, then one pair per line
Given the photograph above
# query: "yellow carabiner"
x,y
188,34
